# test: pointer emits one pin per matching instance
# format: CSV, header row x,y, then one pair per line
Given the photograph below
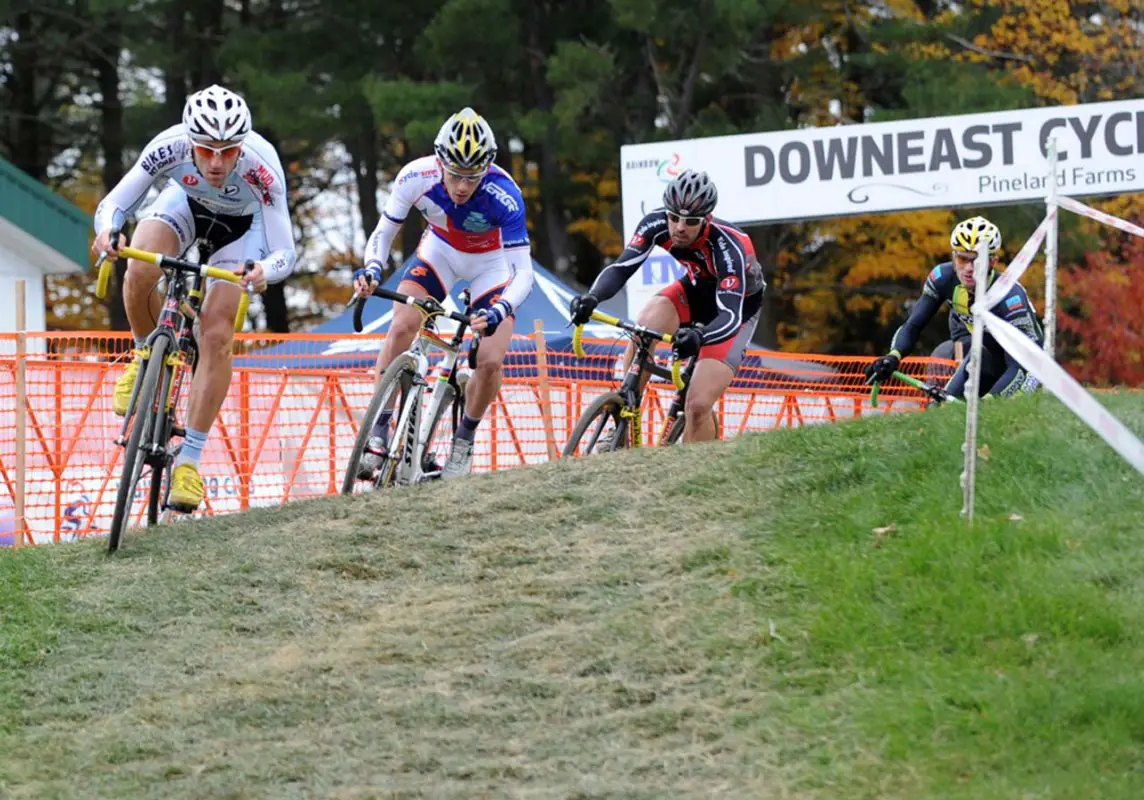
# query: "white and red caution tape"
x,y
1090,212
1071,393
1020,263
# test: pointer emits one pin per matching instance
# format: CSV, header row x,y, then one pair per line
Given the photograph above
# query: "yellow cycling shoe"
x,y
125,384
186,488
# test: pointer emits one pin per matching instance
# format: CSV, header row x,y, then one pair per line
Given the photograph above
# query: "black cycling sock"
x,y
381,427
467,428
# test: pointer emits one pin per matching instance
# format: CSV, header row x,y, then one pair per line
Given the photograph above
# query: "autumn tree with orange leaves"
x,y
1103,312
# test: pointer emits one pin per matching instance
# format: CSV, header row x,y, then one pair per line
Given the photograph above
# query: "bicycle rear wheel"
x,y
396,383
601,428
440,436
141,429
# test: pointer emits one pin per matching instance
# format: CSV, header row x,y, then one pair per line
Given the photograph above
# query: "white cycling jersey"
x,y
256,187
490,222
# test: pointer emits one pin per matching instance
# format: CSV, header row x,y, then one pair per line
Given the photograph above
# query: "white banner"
x,y
964,160
1071,393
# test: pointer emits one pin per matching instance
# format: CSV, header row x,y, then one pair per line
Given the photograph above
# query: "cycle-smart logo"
x,y
666,169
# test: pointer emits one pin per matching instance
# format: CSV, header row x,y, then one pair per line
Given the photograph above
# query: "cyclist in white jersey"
x,y
476,233
226,191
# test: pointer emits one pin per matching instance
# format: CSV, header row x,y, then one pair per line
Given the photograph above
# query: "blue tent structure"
x,y
547,302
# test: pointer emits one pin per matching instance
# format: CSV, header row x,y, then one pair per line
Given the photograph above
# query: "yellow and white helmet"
x,y
968,233
466,141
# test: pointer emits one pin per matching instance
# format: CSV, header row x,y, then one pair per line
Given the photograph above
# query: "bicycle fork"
x,y
635,423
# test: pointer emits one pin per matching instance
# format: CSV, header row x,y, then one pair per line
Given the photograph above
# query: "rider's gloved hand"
x,y
494,315
366,279
883,369
581,308
686,342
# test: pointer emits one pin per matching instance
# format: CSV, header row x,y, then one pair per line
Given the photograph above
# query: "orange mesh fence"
x,y
288,424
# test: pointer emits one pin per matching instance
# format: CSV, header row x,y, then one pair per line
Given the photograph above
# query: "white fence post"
x,y
973,383
1051,254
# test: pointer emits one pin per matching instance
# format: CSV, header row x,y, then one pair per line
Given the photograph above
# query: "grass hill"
x,y
797,614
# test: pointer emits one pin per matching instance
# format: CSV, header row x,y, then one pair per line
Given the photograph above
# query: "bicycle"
x,y
622,408
167,351
410,456
935,394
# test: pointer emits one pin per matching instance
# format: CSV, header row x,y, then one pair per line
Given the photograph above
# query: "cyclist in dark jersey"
x,y
720,296
953,282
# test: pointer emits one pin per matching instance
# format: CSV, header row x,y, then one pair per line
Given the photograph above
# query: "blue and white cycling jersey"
x,y
491,219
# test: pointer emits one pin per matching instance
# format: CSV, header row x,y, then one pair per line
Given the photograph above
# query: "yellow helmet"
x,y
968,233
466,141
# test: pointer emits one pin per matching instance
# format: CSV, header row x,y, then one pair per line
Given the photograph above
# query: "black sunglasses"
x,y
691,222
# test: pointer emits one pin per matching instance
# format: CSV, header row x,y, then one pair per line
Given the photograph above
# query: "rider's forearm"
x,y
279,265
612,279
906,337
520,262
122,199
381,242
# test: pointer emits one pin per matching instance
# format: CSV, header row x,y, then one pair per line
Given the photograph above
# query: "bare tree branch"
x,y
968,45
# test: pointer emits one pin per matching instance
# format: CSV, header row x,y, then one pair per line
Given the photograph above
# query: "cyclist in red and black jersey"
x,y
721,294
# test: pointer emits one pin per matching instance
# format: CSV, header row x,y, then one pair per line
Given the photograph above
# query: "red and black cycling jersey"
x,y
721,260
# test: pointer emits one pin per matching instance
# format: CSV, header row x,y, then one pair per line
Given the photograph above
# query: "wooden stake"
x,y
542,380
21,410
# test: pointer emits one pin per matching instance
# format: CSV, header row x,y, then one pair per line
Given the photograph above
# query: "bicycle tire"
x,y
603,407
161,474
132,464
675,434
155,495
398,375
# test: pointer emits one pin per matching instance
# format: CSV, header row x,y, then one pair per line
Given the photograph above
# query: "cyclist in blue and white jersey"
x,y
226,190
476,233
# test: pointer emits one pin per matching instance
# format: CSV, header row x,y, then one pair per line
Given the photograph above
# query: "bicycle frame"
x,y
643,360
633,393
176,323
173,339
415,425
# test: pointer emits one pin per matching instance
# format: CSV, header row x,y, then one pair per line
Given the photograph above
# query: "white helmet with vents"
x,y
216,114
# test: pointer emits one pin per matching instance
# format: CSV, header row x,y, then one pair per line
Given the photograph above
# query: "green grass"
x,y
796,614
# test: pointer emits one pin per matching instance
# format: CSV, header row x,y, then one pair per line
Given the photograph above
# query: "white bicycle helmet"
x,y
466,141
216,114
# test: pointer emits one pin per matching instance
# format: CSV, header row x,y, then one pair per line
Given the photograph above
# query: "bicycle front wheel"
x,y
393,391
141,429
602,427
675,432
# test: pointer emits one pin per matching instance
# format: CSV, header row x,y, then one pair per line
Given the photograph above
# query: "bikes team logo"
x,y
476,223
190,180
260,180
730,283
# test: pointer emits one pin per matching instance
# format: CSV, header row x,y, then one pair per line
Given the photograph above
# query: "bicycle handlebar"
x,y
636,330
934,392
162,261
426,305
